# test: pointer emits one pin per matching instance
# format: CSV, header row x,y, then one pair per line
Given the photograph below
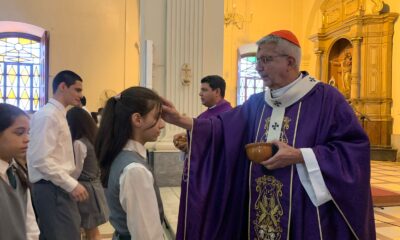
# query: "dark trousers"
x,y
57,212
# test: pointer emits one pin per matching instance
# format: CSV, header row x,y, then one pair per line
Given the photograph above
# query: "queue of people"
x,y
80,176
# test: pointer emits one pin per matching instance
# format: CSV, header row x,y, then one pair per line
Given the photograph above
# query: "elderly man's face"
x,y
272,65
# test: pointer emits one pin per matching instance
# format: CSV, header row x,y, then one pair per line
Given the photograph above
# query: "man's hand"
x,y
79,193
169,112
285,156
171,115
180,142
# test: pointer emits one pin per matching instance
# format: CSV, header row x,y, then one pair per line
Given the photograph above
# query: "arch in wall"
x,y
339,65
10,26
19,29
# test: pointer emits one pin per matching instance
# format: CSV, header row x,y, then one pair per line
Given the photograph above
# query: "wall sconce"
x,y
236,19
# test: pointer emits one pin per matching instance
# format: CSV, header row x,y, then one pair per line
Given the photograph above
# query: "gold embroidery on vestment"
x,y
268,209
285,127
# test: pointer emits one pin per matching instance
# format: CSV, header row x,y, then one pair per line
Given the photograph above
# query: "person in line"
x,y
51,162
129,120
93,211
83,104
317,185
18,218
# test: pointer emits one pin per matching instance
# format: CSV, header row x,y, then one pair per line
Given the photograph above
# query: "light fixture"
x,y
235,19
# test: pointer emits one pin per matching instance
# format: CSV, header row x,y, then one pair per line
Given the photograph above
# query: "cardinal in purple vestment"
x,y
317,186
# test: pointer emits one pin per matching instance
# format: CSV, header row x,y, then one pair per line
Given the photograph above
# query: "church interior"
x,y
169,45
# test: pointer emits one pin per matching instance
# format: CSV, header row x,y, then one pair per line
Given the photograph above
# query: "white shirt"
x,y
310,174
138,198
32,229
50,155
80,153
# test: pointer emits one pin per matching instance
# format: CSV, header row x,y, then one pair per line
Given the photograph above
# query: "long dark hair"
x,y
115,125
8,114
81,124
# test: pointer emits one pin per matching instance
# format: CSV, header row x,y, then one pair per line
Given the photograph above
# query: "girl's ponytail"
x,y
103,144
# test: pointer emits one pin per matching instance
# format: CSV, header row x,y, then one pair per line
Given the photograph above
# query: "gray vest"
x,y
90,169
12,211
117,214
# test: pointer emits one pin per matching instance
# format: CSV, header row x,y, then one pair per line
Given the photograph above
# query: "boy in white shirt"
x,y
51,162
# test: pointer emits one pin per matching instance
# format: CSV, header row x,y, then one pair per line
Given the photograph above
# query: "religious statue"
x,y
346,73
340,73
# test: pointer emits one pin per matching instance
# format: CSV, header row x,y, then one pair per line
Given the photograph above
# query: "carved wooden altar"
x,y
354,53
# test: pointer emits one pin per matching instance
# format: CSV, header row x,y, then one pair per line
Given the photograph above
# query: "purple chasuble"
x,y
221,107
226,197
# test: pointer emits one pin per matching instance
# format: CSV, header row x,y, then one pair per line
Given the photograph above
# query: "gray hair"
x,y
283,46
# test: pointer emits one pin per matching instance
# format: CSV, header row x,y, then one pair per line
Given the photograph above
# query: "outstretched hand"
x,y
285,156
171,115
169,112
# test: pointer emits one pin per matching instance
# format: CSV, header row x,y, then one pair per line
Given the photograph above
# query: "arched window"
x,y
249,82
23,70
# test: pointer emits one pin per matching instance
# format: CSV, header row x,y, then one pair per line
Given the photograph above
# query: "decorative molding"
x,y
186,74
335,12
370,39
378,6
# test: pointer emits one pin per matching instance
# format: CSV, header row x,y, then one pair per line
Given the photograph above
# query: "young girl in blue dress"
x,y
129,120
16,212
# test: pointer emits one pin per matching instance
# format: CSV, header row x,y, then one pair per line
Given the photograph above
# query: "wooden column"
x,y
355,68
318,73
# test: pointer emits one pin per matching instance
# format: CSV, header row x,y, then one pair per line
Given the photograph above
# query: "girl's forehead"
x,y
21,120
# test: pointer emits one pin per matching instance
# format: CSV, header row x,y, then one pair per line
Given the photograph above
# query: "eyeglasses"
x,y
268,59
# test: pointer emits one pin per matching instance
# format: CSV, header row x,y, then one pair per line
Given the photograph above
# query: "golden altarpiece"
x,y
354,54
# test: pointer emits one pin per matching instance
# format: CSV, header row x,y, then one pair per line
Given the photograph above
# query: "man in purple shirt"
x,y
212,93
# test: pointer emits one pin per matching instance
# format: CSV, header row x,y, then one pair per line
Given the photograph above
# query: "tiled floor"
x,y
384,175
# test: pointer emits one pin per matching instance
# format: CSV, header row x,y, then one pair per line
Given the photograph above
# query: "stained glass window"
x,y
20,72
249,80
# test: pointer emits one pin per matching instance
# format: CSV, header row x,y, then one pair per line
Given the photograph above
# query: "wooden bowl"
x,y
261,151
181,143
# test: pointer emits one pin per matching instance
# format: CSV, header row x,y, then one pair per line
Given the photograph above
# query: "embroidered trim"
x,y
268,208
188,177
249,210
319,224
292,170
292,95
277,103
251,166
345,219
259,124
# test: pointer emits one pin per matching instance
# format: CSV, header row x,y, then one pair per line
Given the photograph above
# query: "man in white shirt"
x,y
51,162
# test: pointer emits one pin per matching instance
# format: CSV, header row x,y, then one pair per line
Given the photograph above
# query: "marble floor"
x,y
384,175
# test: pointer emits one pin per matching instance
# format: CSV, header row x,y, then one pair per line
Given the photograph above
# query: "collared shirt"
x,y
80,153
138,198
50,154
32,229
